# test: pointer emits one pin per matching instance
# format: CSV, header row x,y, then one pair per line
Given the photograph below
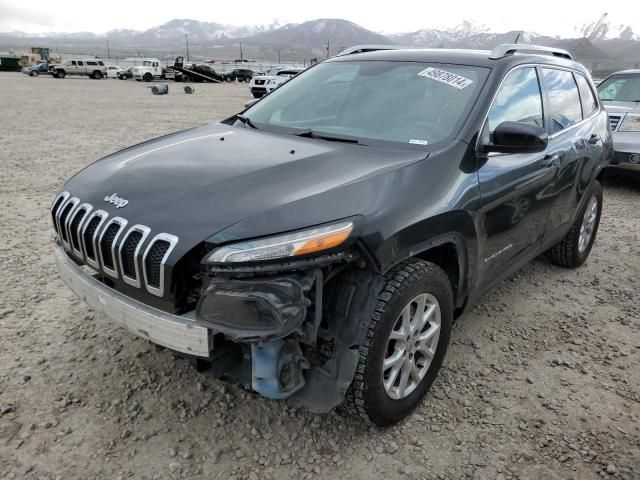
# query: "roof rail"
x,y
507,49
366,48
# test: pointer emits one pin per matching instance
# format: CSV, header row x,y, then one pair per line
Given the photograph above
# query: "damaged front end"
x,y
290,330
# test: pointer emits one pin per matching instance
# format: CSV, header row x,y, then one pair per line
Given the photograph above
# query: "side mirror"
x,y
518,137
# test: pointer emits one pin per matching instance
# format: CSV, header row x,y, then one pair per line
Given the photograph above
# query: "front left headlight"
x,y
288,245
631,123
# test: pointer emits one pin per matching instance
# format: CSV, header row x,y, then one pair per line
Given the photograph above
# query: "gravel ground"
x,y
542,380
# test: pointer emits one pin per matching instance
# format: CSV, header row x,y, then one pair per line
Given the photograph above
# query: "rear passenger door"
x,y
514,213
573,143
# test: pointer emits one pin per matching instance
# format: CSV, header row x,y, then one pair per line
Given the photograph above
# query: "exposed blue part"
x,y
265,366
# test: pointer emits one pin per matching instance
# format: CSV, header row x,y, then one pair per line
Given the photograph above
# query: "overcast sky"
x,y
551,17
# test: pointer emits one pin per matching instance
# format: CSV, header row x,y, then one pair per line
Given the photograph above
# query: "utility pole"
x,y
186,36
241,59
278,55
108,55
328,46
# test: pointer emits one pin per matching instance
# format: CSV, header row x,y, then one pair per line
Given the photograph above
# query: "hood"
x,y
198,182
622,107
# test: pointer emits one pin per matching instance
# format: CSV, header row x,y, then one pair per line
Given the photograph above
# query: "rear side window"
x,y
565,109
92,63
518,100
587,97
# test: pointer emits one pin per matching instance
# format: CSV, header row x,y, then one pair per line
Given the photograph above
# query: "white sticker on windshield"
x,y
452,79
419,142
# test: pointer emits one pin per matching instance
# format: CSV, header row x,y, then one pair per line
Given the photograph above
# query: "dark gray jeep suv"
x,y
317,246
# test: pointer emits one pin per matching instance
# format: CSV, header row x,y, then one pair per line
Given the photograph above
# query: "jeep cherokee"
x,y
317,246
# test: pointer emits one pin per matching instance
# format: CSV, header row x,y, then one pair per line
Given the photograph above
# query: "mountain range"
x,y
609,43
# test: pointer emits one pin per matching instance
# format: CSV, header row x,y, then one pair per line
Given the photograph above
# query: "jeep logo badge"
x,y
114,199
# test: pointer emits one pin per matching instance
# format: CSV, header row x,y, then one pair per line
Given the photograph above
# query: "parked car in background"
x,y
620,93
113,71
239,74
92,68
262,84
317,246
36,70
125,74
195,72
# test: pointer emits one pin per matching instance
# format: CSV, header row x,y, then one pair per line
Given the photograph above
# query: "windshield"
x,y
620,88
401,102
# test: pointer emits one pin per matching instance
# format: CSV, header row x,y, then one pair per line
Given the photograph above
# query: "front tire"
x,y
34,73
147,77
97,75
61,74
576,246
406,344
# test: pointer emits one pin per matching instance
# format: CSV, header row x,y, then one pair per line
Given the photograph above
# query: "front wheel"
x,y
574,249
406,344
97,75
34,73
147,77
61,74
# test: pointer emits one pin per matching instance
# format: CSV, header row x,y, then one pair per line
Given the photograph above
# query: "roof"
x,y
624,72
481,58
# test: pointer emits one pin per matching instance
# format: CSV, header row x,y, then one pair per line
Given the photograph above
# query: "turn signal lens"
x,y
282,246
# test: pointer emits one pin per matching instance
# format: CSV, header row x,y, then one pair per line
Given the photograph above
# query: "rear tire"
x,y
378,394
574,249
34,73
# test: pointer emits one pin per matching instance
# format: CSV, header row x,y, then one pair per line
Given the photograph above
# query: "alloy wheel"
x,y
411,346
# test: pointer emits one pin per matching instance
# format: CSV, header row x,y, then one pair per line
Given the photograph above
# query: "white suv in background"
x,y
620,94
260,85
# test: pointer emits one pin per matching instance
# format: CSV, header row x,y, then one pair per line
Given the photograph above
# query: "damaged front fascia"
x,y
258,309
347,310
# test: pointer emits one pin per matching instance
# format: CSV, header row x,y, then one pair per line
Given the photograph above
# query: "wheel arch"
x,y
448,240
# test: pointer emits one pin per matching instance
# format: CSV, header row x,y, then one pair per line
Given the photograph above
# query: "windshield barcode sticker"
x,y
452,79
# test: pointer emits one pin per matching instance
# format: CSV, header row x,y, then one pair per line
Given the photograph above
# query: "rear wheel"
x,y
406,343
574,249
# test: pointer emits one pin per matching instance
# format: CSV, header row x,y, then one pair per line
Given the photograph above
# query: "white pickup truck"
x,y
92,68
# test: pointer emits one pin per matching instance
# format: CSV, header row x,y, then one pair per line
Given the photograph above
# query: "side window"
x,y
73,63
587,97
518,100
564,101
80,64
92,63
101,63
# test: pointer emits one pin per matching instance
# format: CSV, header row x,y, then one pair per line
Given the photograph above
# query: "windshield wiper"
x,y
329,138
247,121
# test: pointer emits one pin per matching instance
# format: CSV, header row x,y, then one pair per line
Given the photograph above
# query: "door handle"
x,y
551,160
594,139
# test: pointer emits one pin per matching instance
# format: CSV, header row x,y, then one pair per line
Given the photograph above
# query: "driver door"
x,y
514,209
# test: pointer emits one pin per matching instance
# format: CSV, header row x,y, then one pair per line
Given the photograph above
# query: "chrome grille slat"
x,y
172,240
66,212
55,208
144,231
110,245
92,260
75,229
81,230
